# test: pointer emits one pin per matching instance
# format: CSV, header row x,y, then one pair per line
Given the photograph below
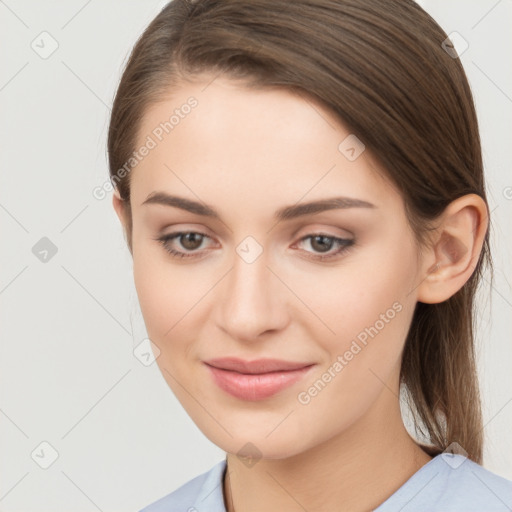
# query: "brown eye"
x,y
191,241
322,243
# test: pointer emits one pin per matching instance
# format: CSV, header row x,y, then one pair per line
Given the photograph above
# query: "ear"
x,y
455,249
117,203
119,207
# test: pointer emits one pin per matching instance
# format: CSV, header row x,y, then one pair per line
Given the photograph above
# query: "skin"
x,y
248,153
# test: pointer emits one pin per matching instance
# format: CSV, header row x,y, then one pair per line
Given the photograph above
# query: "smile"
x,y
255,386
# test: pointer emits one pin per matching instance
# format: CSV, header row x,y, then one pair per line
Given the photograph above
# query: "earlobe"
x,y
455,250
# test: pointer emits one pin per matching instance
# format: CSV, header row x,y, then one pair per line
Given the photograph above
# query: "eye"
x,y
190,240
324,243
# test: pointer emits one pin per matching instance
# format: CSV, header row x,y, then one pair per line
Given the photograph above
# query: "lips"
x,y
257,366
255,380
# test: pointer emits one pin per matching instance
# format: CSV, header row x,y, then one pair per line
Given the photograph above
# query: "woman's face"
x,y
252,284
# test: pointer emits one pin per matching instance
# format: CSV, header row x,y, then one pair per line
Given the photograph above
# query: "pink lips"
x,y
255,380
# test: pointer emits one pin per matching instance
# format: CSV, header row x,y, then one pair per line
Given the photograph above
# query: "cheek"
x,y
163,290
364,308
167,300
352,296
175,300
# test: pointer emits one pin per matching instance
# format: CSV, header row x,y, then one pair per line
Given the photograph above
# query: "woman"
x,y
301,189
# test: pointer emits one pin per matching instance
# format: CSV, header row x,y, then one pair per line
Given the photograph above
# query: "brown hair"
x,y
379,65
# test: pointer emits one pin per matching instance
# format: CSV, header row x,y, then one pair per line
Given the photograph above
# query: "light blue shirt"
x,y
447,483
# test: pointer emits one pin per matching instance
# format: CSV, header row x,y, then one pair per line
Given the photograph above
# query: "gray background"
x,y
69,324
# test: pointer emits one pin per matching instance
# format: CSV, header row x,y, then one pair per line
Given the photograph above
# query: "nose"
x,y
252,300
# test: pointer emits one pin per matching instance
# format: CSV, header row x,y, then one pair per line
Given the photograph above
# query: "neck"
x,y
354,471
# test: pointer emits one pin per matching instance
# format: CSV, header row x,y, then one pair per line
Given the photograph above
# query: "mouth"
x,y
255,380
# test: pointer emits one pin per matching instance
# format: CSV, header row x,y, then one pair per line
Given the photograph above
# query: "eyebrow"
x,y
286,213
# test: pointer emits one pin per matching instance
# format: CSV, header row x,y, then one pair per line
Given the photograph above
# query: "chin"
x,y
251,446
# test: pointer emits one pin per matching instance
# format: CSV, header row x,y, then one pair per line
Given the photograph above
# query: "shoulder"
x,y
204,492
465,485
449,483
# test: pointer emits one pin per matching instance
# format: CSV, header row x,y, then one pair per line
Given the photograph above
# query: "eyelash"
x,y
345,245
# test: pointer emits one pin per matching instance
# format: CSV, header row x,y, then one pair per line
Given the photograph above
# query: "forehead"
x,y
217,137
222,106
